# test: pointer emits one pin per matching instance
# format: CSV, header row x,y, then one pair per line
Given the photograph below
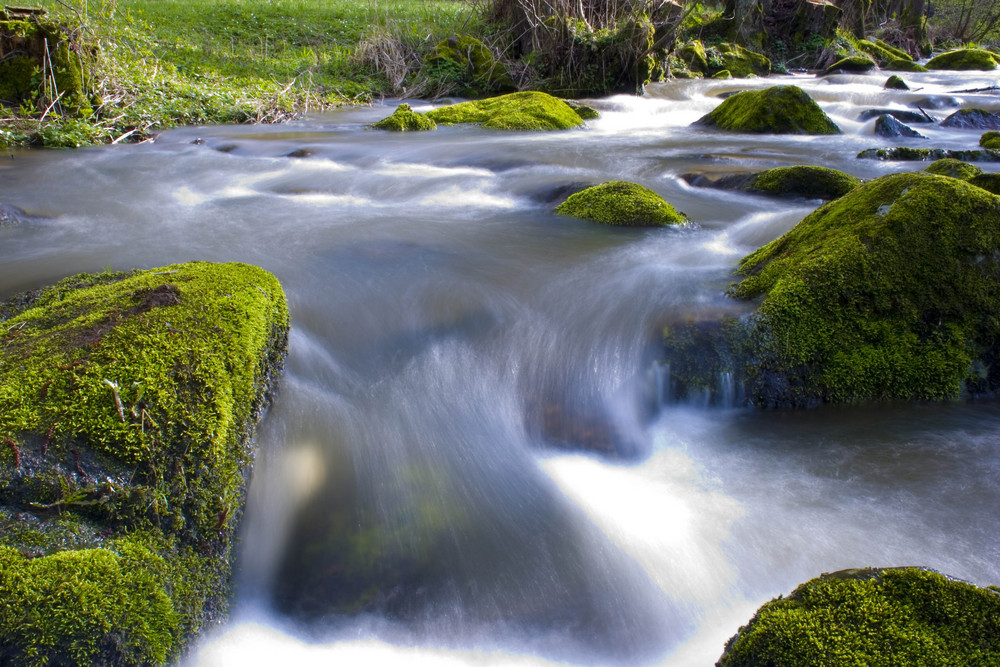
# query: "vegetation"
x,y
405,119
776,110
903,616
964,59
126,405
953,168
803,181
621,203
515,111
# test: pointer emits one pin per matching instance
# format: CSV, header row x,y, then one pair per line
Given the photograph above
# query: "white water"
x,y
443,316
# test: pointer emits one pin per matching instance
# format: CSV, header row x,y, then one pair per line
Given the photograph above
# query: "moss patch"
x,y
516,111
470,62
964,59
895,83
988,182
903,616
621,203
803,181
740,62
126,403
953,168
851,65
405,119
890,292
990,140
899,65
907,154
776,110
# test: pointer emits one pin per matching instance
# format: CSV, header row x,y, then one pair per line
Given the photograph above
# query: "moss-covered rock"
x,y
973,119
990,140
851,65
739,61
953,169
775,110
127,401
988,182
890,292
621,203
964,59
895,83
723,74
405,119
907,154
896,52
898,616
693,55
516,111
582,110
899,65
877,53
470,63
31,42
803,181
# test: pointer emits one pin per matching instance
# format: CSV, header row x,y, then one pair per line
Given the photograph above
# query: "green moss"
x,y
851,65
740,62
990,139
723,74
129,399
896,53
405,119
621,203
469,61
953,168
516,111
988,182
907,154
693,55
890,292
964,59
804,181
901,616
17,79
879,54
776,110
582,110
895,83
904,66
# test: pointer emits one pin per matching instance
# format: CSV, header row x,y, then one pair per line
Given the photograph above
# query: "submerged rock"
x,y
798,181
964,59
977,119
621,203
871,616
516,111
11,215
888,126
776,110
907,154
901,115
127,401
405,119
953,169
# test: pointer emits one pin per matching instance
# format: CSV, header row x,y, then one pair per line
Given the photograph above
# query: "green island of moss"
x,y
775,110
907,154
803,181
890,292
953,168
900,65
127,402
988,182
895,83
515,111
405,119
851,65
964,59
990,140
896,616
621,203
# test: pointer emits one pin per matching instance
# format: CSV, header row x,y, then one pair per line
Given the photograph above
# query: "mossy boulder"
x,y
973,119
879,54
723,74
897,616
990,140
405,119
851,65
739,61
621,203
515,111
953,169
775,110
895,83
803,181
890,292
899,65
964,59
988,182
894,51
693,55
127,402
470,63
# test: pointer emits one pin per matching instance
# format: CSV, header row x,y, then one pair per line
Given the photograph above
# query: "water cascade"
x,y
476,455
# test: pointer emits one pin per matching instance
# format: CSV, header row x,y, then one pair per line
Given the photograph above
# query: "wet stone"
x,y
888,126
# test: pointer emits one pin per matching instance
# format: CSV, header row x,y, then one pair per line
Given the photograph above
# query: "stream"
x,y
421,495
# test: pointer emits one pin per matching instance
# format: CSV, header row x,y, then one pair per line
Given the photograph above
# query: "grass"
x,y
162,63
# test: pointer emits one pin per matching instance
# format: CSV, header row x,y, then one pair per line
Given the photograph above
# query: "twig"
x,y
118,398
126,135
17,451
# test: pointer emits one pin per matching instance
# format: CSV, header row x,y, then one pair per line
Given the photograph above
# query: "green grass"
x,y
162,63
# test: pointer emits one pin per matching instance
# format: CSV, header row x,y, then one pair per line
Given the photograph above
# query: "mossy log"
x,y
127,402
894,616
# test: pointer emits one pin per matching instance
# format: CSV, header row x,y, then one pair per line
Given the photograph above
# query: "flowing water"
x,y
419,496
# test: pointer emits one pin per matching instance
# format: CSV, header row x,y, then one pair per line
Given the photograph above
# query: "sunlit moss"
x,y
990,140
776,110
621,203
903,616
851,65
516,111
953,168
964,59
405,119
804,181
